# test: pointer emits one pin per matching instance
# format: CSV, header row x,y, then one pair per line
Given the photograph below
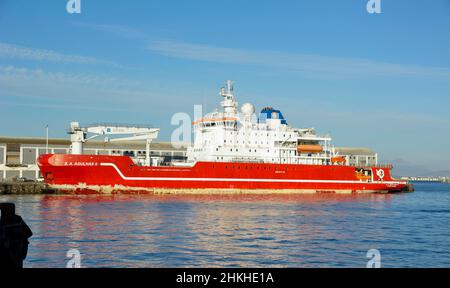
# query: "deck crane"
x,y
79,135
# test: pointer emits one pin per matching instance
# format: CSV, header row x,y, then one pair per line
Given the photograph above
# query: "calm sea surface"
x,y
409,230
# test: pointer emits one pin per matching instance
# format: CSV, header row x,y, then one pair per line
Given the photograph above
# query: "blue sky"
x,y
380,81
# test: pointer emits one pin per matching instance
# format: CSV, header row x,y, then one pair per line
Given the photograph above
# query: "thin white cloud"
x,y
26,53
41,76
40,86
312,65
61,106
381,116
118,30
43,84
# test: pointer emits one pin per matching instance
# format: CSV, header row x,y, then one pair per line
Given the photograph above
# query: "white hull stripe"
x,y
240,179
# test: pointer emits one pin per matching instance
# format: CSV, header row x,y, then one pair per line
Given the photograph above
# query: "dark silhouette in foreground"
x,y
14,234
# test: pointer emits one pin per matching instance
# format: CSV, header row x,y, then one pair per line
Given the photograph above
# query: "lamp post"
x,y
46,139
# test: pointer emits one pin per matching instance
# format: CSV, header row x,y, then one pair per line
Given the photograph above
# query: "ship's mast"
x,y
229,104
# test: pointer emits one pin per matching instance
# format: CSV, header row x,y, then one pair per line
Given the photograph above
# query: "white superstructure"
x,y
233,136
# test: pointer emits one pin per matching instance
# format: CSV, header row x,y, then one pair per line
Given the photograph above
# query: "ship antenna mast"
x,y
229,104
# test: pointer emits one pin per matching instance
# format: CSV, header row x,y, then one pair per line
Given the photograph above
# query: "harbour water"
x,y
409,230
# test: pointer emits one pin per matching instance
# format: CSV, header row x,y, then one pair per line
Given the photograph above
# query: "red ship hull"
x,y
110,174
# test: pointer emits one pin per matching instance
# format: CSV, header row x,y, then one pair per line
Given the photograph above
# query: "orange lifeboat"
x,y
309,148
338,159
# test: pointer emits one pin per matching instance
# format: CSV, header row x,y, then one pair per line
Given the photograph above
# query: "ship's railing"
x,y
389,166
386,166
128,125
116,125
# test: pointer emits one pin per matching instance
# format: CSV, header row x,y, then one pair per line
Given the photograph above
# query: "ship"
x,y
234,151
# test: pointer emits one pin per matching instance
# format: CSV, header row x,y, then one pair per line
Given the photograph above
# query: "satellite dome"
x,y
247,109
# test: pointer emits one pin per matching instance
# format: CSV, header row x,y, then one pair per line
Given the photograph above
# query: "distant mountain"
x,y
442,173
403,167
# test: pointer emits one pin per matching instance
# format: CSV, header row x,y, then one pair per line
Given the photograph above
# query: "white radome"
x,y
247,109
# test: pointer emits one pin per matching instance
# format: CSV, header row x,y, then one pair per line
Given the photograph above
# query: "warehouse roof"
x,y
354,151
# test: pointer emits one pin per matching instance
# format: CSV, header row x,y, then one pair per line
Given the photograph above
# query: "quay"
x,y
40,188
25,188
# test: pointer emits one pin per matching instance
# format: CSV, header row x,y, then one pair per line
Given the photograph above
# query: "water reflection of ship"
x,y
162,229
